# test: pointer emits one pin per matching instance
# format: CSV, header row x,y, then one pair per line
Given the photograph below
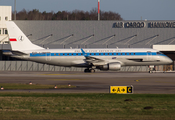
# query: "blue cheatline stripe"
x,y
95,54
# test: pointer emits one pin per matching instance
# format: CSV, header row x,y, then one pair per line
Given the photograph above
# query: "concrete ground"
x,y
99,82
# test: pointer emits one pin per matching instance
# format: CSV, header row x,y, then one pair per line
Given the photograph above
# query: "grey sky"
x,y
128,9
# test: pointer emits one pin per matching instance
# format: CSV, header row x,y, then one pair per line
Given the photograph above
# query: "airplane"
x,y
91,59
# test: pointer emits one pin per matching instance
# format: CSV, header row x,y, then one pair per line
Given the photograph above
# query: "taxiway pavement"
x,y
99,82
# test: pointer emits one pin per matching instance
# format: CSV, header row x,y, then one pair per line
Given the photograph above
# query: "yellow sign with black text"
x,y
121,89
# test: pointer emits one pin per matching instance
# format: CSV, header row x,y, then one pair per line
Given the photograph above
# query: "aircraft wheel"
x,y
92,70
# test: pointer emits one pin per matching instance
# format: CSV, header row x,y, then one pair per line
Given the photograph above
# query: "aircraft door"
x,y
48,56
149,55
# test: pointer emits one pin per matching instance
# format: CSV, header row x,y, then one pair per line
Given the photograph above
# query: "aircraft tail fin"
x,y
18,40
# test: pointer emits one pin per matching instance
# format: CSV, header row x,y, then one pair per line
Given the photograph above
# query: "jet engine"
x,y
110,66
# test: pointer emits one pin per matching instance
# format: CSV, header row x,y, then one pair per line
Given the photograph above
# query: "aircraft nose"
x,y
169,60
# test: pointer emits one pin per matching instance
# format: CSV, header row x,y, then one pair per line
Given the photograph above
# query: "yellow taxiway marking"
x,y
72,74
56,74
138,80
63,79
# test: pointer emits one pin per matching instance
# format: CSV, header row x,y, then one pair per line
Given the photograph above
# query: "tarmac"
x,y
99,82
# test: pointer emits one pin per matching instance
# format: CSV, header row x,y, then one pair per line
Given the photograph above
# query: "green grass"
x,y
86,106
14,86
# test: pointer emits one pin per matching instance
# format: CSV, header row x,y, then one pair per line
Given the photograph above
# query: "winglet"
x,y
84,54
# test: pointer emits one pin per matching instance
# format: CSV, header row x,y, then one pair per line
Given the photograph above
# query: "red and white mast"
x,y
98,9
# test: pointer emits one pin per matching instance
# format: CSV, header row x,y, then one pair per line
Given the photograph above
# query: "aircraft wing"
x,y
93,60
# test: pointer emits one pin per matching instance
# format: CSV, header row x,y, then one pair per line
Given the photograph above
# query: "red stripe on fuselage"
x,y
13,39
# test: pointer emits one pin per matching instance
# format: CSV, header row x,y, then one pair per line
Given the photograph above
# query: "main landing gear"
x,y
89,70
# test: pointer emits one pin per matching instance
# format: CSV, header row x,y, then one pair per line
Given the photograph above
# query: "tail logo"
x,y
21,38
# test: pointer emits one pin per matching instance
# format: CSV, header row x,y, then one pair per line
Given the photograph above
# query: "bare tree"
x,y
65,15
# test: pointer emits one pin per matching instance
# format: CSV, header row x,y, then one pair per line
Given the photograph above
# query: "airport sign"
x,y
142,24
121,89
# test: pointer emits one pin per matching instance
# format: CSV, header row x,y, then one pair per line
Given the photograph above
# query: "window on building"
x,y
6,32
6,18
0,31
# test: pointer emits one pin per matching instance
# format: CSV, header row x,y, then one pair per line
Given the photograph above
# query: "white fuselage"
x,y
74,57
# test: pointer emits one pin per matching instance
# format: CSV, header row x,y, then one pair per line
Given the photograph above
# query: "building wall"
x,y
84,34
90,34
5,15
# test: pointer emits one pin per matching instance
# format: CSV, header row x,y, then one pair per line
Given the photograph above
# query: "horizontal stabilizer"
x,y
18,53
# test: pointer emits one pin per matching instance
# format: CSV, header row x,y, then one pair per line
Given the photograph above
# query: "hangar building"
x,y
93,34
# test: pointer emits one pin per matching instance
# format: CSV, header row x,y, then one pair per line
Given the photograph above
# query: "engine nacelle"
x,y
110,66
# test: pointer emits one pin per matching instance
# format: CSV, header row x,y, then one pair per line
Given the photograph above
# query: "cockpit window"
x,y
159,53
